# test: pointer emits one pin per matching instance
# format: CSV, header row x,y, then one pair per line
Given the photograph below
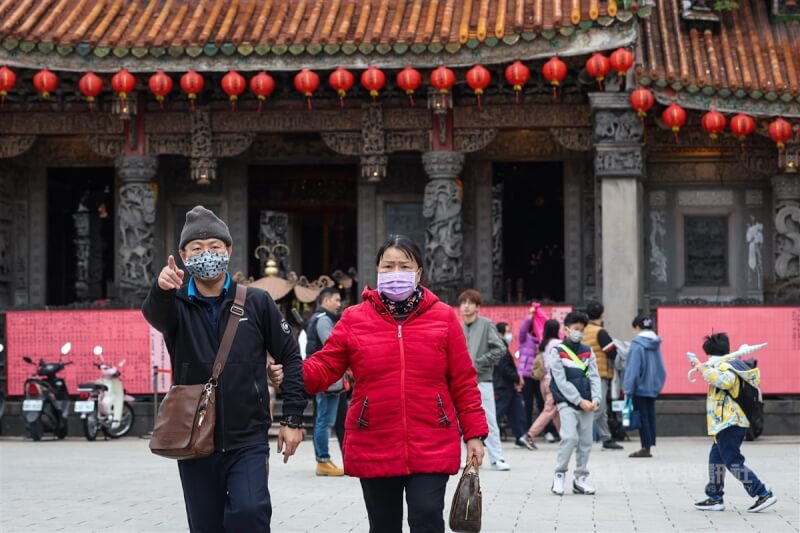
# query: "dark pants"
x,y
726,454
341,415
509,402
531,393
424,496
647,415
227,491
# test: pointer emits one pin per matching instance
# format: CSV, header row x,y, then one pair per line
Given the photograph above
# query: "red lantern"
x,y
233,84
409,80
642,100
598,66
262,86
714,123
192,83
90,85
7,81
621,61
674,116
160,85
517,75
123,83
742,125
478,78
780,131
306,82
554,71
341,80
373,79
443,80
45,82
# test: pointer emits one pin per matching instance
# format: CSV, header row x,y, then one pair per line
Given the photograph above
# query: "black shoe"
x,y
710,505
762,502
525,443
611,445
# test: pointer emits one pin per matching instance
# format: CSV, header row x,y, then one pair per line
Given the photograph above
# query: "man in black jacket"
x,y
226,491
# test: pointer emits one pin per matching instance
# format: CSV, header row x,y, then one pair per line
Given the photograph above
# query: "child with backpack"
x,y
732,386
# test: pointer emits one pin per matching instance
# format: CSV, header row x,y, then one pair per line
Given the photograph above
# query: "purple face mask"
x,y
397,286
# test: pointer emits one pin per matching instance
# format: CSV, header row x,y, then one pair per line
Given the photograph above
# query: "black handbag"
x,y
465,511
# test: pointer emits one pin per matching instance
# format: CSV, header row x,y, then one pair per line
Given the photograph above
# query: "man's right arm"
x,y
160,309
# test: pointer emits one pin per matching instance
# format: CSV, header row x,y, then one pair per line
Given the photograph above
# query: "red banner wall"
x,y
683,330
514,316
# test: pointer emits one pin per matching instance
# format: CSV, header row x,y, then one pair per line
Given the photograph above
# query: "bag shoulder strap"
x,y
574,358
237,311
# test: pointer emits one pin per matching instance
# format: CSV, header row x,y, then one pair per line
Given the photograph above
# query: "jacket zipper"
x,y
362,422
403,391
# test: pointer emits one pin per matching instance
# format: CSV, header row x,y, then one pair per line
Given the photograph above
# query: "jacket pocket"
x,y
444,420
363,421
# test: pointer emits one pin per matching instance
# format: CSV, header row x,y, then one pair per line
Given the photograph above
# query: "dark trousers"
x,y
509,403
647,415
341,415
227,491
726,454
531,393
424,496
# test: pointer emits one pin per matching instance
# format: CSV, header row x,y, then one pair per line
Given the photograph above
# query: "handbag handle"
x,y
472,464
237,311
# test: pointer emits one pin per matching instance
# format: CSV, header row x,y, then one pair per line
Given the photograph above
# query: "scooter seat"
x,y
92,385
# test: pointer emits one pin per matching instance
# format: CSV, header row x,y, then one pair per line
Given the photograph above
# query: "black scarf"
x,y
406,306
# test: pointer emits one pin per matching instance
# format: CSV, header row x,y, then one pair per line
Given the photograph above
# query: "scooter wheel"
x,y
90,427
125,424
36,429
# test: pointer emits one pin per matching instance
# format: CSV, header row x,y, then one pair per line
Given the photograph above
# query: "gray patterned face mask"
x,y
207,265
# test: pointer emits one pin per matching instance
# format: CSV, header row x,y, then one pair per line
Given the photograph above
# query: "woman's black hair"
x,y
643,322
550,332
502,327
405,245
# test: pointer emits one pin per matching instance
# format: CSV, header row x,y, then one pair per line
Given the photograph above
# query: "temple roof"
x,y
749,61
263,30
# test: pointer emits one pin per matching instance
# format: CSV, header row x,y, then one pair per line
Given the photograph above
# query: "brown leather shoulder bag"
x,y
184,427
465,511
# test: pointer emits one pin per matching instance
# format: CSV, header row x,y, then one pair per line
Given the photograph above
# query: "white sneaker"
x,y
558,483
501,464
549,437
582,486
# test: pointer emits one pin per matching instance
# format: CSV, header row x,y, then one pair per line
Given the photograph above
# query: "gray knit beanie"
x,y
202,223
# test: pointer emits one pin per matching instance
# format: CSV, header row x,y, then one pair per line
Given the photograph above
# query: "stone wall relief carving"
x,y
787,262
497,241
755,241
14,145
617,126
523,144
575,139
81,222
618,161
658,256
468,141
106,145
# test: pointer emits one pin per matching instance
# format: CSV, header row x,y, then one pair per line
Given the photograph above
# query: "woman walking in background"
x,y
551,339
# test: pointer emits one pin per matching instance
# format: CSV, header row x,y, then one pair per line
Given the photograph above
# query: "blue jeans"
x,y
647,416
327,406
725,453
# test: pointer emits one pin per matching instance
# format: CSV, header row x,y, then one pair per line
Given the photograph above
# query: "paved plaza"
x,y
78,486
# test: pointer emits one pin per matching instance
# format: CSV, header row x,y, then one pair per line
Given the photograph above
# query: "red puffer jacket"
x,y
413,381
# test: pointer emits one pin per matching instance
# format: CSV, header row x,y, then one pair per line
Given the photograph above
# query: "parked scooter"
x,y
46,402
104,404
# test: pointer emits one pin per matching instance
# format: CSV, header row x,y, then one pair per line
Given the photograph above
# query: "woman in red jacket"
x,y
414,386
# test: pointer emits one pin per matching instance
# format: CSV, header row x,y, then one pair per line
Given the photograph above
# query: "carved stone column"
x,y
442,208
619,165
137,216
786,196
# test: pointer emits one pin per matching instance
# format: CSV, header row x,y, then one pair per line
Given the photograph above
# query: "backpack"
x,y
538,370
749,397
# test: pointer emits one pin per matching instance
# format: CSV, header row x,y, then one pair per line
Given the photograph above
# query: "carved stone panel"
x,y
107,145
617,127
407,141
618,161
523,144
521,116
25,123
786,191
14,145
467,141
497,241
575,139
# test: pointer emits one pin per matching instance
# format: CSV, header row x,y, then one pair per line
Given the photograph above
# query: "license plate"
x,y
32,405
84,407
618,406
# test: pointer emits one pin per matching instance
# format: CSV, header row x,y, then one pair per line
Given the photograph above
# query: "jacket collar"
x,y
372,296
189,291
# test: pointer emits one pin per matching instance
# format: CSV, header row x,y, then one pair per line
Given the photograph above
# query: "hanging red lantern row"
x,y
780,131
409,80
554,71
443,79
123,83
642,101
45,82
233,84
306,82
192,84
341,80
160,85
713,123
478,79
674,116
517,75
7,82
598,66
90,85
262,85
373,79
621,61
742,125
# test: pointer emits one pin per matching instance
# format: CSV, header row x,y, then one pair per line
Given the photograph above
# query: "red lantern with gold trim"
x,y
192,84
123,83
90,85
780,131
642,101
262,85
554,71
7,82
674,116
621,61
373,79
409,80
45,82
598,66
341,80
478,78
443,79
742,125
160,84
306,81
517,75
233,84
713,123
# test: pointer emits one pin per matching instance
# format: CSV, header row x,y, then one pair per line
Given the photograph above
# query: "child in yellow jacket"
x,y
728,424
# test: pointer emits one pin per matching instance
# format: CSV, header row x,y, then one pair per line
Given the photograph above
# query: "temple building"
x,y
536,176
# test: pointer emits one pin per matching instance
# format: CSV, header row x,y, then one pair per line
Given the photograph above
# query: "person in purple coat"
x,y
529,340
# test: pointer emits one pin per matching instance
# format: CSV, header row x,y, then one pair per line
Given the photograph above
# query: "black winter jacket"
x,y
505,374
242,397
